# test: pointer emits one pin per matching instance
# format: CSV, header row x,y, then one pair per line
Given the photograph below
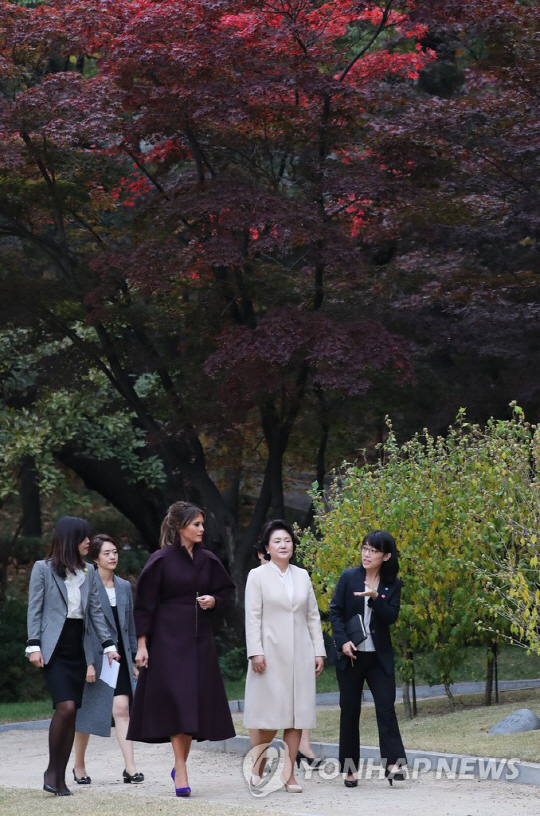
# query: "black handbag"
x,y
356,631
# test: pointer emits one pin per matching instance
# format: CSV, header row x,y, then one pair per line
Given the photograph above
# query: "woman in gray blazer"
x,y
63,602
100,700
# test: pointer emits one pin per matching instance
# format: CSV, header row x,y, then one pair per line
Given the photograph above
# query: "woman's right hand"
x,y
36,658
258,664
90,674
349,649
141,658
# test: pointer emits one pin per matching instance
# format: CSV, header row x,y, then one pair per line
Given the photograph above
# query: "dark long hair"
x,y
271,527
180,514
384,542
64,553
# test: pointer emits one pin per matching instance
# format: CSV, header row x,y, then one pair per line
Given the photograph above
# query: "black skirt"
x,y
123,686
65,672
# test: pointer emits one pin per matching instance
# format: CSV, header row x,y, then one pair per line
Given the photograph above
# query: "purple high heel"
x,y
180,791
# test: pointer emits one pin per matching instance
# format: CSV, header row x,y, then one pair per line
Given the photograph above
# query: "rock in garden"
x,y
521,720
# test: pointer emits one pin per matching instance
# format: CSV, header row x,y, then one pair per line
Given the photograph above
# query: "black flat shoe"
x,y
65,792
350,783
136,777
81,780
50,789
313,762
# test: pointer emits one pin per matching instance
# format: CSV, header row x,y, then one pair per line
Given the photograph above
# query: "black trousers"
x,y
367,667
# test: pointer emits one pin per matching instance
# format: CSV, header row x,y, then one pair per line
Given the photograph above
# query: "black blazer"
x,y
384,611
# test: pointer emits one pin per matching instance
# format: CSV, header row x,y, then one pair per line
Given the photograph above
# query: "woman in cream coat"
x,y
285,648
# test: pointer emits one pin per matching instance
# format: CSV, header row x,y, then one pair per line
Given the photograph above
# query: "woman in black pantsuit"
x,y
62,604
372,592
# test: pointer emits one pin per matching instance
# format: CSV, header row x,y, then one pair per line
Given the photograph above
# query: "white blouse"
x,y
287,578
367,645
111,593
73,582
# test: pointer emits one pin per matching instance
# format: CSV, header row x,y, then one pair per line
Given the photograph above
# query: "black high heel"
x,y
399,776
313,762
55,791
136,777
49,788
81,780
350,783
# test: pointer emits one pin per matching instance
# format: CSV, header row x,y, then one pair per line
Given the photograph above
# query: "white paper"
x,y
109,674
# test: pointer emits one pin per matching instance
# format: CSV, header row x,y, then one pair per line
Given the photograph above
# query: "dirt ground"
x,y
219,778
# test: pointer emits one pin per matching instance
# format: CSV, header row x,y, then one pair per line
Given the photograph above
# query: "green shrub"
x,y
19,680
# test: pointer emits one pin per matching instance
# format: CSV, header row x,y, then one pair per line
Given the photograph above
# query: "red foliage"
x,y
261,150
343,357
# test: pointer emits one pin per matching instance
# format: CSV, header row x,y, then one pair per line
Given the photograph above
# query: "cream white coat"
x,y
288,633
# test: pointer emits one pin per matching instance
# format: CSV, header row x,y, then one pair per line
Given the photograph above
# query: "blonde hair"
x,y
179,515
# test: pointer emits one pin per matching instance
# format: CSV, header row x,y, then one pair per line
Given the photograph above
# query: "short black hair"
x,y
271,527
96,545
384,542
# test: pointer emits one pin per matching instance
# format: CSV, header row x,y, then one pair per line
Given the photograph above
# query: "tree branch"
x,y
376,34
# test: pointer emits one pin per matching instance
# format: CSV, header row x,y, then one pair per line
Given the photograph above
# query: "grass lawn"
x,y
437,728
513,664
20,712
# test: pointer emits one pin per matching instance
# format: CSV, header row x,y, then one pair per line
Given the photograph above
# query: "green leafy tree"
x,y
441,498
511,567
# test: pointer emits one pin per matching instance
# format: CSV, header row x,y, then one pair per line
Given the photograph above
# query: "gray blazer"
x,y
94,716
47,609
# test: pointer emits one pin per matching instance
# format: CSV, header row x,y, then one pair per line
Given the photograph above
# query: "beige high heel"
x,y
293,787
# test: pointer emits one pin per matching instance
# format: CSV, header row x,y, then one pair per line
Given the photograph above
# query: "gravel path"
x,y
218,778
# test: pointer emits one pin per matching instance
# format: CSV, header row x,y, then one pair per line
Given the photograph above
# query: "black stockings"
x,y
61,735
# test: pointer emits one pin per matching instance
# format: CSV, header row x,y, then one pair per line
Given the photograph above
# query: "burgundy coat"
x,y
181,691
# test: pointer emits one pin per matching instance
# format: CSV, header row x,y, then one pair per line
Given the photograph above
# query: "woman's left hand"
x,y
206,601
319,665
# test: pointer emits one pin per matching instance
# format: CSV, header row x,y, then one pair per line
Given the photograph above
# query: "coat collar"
x,y
120,599
384,585
104,601
85,586
60,583
279,578
197,561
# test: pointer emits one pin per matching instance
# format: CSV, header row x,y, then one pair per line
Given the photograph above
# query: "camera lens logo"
x,y
270,779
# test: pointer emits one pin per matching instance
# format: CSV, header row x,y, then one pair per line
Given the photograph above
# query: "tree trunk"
x,y
496,667
144,508
30,499
488,690
407,700
5,555
321,466
450,695
410,709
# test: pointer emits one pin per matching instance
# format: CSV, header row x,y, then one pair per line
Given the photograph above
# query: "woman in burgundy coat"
x,y
180,694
